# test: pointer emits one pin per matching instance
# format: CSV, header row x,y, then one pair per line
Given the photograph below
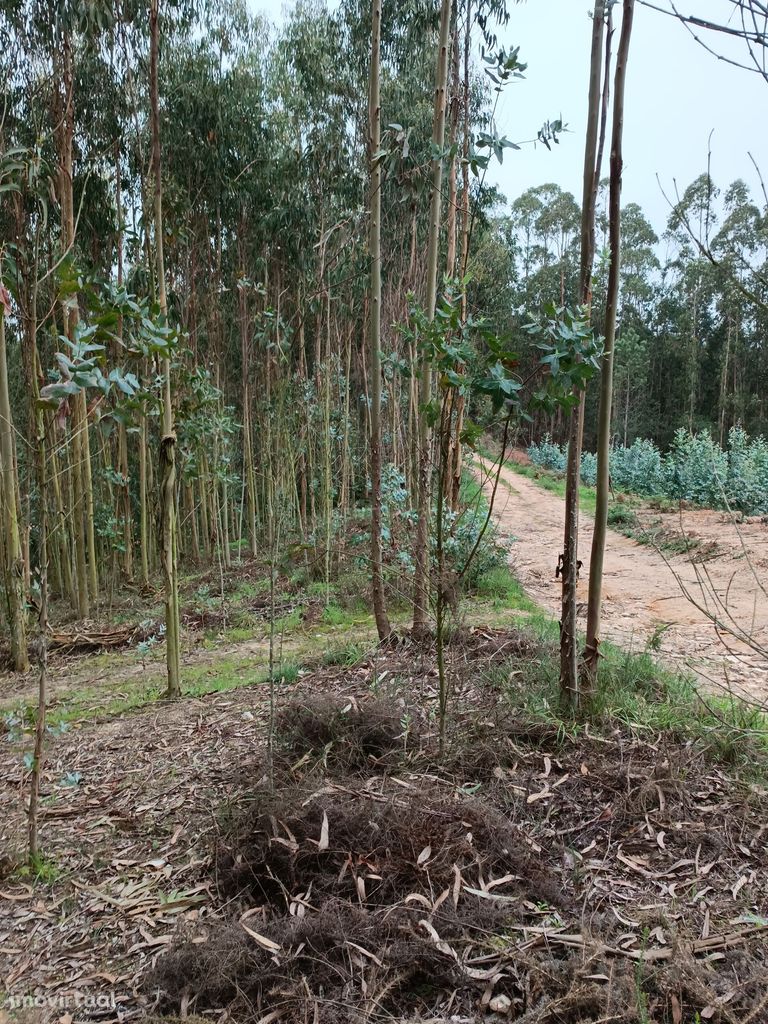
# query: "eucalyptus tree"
x,y
39,124
692,277
12,168
13,562
82,506
219,193
545,220
374,313
167,464
594,605
569,677
741,250
421,541
717,277
640,266
631,371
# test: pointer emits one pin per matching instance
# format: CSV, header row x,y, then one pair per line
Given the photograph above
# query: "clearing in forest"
x,y
529,873
643,590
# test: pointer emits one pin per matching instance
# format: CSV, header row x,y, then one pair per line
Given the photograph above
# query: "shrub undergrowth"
x,y
695,469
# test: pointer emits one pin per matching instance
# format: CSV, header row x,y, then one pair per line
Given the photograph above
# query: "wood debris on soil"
x,y
622,855
92,637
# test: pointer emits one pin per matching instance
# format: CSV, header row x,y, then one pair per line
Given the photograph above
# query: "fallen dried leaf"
x,y
262,940
323,844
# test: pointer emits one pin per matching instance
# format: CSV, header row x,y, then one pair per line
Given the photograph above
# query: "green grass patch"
x,y
622,515
42,870
225,673
219,676
555,484
248,589
641,696
240,634
656,535
345,654
291,622
90,703
503,588
471,493
335,615
287,672
231,674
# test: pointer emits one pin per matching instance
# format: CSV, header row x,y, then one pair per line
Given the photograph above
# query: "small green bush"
x,y
621,515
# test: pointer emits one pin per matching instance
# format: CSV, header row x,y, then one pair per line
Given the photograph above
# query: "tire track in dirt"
x,y
641,595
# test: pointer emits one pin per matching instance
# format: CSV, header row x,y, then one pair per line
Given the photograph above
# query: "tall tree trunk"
x,y
569,678
13,562
90,524
693,356
248,467
724,381
450,261
452,458
226,554
413,425
374,323
346,454
42,687
85,495
124,491
79,423
206,506
464,230
421,545
167,464
327,460
591,651
144,501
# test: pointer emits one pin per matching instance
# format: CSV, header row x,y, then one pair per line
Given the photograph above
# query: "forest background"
x,y
187,256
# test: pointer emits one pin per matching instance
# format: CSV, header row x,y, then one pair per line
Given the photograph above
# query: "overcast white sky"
x,y
677,94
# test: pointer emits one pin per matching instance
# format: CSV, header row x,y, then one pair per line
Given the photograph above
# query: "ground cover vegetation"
x,y
534,867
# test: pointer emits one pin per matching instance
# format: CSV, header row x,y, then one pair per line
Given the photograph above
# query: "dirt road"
x,y
642,596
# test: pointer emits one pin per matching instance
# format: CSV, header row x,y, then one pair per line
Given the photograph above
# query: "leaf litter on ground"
x,y
385,881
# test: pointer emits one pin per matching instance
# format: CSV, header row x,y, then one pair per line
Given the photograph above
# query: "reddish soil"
x,y
651,593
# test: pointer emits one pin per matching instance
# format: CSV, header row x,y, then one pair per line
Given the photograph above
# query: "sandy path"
x,y
641,593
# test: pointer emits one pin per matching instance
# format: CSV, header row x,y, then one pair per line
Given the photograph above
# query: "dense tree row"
x,y
189,363
185,269
692,347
